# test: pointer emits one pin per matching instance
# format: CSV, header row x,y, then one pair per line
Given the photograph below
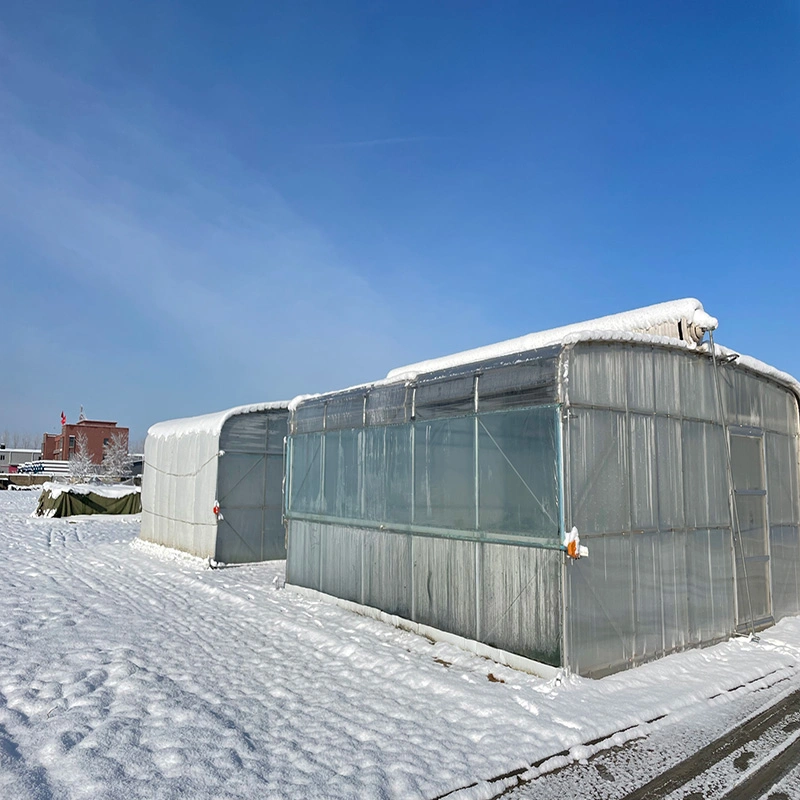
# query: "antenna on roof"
x,y
81,416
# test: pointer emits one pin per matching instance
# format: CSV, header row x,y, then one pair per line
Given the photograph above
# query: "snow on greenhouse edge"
x,y
370,696
209,423
638,320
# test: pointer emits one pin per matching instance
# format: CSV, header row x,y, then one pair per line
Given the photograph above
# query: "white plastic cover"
x,y
179,483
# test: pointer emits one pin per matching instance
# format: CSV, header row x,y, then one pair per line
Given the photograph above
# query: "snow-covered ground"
x,y
127,673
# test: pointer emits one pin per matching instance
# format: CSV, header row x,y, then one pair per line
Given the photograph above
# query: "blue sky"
x,y
208,204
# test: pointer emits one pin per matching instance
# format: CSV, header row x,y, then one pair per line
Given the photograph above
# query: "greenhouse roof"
x,y
640,320
628,326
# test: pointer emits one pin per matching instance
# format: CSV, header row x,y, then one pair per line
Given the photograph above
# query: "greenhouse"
x,y
212,485
590,497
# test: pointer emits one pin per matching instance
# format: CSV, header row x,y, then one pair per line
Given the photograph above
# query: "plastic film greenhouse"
x,y
212,485
590,497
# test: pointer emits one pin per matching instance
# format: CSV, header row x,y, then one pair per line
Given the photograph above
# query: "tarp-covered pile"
x,y
60,500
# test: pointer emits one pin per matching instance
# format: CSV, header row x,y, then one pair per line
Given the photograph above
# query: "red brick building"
x,y
60,446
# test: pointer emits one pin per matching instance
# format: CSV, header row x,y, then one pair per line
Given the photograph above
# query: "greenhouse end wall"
x,y
250,488
233,458
648,489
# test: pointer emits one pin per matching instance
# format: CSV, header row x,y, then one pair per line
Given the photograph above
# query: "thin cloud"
x,y
381,142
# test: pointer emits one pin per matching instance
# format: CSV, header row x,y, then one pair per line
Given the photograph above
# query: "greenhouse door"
x,y
752,552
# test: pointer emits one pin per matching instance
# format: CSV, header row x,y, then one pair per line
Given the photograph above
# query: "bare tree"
x,y
81,466
24,441
116,461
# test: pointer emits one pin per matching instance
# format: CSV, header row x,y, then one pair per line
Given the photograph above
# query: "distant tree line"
x,y
24,441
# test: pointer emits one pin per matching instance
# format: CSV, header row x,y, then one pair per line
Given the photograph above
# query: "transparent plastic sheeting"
x,y
518,381
503,595
648,489
478,476
646,483
184,475
249,489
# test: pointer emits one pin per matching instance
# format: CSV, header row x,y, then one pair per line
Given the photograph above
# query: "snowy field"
x,y
127,673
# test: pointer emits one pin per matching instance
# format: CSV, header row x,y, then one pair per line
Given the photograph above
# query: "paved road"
x,y
754,759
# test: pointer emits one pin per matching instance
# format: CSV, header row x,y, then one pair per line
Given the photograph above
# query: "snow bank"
x,y
128,675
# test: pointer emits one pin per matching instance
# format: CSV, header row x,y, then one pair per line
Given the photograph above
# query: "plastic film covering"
x,y
442,398
308,417
666,381
444,473
503,595
527,379
641,596
520,608
343,487
648,491
697,387
644,489
305,476
185,474
388,405
482,476
783,490
705,478
518,485
345,411
179,486
779,409
445,585
388,568
599,471
597,376
600,603
250,476
785,562
528,384
742,397
388,463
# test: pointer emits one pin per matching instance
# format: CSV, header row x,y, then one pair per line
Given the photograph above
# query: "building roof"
x,y
209,423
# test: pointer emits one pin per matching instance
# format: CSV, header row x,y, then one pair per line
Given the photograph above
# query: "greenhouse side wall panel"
x,y
648,606
600,608
444,573
520,607
303,557
785,561
340,569
674,589
387,572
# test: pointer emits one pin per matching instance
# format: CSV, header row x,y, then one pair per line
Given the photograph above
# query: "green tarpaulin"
x,y
66,503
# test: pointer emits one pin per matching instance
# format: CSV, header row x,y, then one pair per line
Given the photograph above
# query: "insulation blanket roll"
x,y
68,502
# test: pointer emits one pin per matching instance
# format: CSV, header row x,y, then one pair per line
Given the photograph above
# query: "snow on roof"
x,y
21,449
640,320
209,423
629,326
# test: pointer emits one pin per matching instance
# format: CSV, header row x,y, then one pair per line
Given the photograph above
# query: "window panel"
x,y
306,473
444,473
518,472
